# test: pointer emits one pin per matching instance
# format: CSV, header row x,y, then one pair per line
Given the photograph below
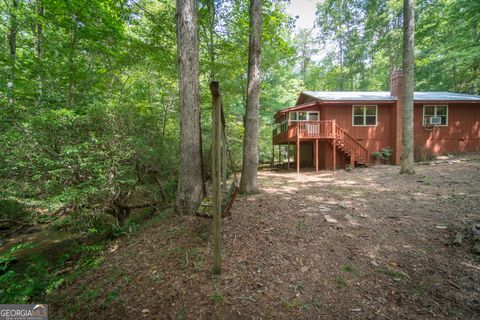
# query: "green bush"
x,y
384,154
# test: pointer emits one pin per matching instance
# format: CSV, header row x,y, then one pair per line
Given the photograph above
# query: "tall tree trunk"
x,y
39,49
341,66
207,163
248,184
12,43
72,68
408,87
211,38
476,61
190,180
351,78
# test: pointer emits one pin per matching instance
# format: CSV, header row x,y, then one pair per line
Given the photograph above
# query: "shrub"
x,y
383,154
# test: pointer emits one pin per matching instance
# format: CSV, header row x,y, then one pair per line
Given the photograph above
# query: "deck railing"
x,y
313,129
350,143
323,129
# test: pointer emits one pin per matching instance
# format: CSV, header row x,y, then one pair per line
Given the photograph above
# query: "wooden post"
x,y
273,154
298,154
288,155
316,155
334,133
280,154
216,167
224,157
334,142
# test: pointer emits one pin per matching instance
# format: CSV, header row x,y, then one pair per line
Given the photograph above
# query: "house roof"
x,y
378,96
385,95
445,96
350,95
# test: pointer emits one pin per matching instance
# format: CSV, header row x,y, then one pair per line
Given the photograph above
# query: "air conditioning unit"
x,y
435,121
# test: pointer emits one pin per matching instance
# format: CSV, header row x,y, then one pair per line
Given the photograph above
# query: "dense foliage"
x,y
356,44
91,107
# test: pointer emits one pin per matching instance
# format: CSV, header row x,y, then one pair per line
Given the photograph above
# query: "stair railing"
x,y
355,147
325,129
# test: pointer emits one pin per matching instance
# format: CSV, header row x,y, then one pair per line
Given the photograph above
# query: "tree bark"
x,y
12,43
72,68
406,159
216,172
190,180
341,65
249,183
39,50
211,38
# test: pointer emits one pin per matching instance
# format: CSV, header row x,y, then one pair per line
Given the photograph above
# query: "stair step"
x,y
347,149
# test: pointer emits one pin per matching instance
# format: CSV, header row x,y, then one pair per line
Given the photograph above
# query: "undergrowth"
x,y
29,278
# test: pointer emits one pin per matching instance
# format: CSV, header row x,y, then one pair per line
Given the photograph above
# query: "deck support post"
x,y
280,154
352,160
334,145
298,154
288,155
334,142
316,155
273,154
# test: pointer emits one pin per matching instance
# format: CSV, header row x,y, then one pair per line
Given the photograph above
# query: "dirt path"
x,y
367,244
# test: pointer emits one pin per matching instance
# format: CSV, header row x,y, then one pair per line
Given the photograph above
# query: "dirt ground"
x,y
366,244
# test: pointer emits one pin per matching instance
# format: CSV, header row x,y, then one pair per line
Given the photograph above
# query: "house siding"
x,y
461,135
373,138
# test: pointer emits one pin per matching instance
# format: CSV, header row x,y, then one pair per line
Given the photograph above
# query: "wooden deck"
x,y
306,130
323,130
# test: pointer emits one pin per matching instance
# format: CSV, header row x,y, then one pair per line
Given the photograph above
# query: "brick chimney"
x,y
396,82
396,88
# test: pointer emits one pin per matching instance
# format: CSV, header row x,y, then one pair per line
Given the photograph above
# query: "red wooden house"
x,y
327,128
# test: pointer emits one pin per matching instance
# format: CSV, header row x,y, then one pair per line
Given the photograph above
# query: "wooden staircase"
x,y
324,130
349,146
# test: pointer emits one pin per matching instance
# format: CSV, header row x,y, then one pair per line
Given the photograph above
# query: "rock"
x,y
329,219
114,248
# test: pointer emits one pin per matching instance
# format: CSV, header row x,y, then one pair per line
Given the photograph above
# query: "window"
x,y
364,115
430,112
304,116
312,116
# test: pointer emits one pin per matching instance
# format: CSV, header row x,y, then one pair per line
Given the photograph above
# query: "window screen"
x,y
364,115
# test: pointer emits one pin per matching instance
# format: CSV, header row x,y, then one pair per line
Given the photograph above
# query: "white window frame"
x,y
435,114
308,115
364,115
